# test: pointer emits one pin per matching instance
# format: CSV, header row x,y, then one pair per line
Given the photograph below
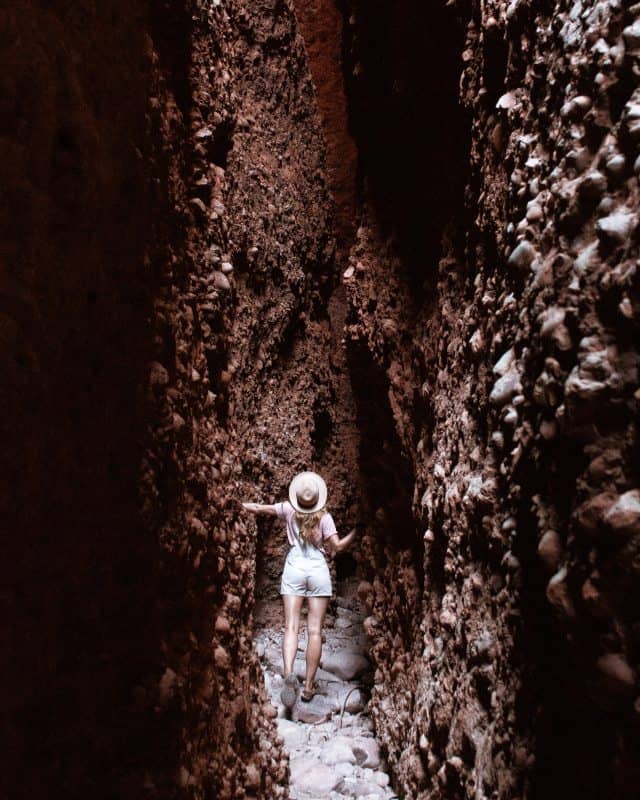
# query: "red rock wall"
x,y
165,220
321,25
171,345
505,613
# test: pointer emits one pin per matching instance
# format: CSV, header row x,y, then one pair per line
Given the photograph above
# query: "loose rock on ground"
x,y
330,740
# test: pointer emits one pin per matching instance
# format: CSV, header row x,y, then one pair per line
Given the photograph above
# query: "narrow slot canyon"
x,y
395,242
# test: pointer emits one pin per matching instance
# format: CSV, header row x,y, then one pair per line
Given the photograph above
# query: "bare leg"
x,y
292,607
315,618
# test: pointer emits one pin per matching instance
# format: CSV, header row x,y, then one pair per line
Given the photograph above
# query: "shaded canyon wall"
x,y
168,259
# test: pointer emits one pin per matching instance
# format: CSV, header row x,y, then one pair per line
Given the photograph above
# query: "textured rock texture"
x,y
321,26
172,342
168,262
505,611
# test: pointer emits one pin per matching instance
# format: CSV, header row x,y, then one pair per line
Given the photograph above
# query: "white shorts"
x,y
306,577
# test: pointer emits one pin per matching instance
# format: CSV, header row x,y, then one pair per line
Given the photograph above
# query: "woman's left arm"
x,y
337,545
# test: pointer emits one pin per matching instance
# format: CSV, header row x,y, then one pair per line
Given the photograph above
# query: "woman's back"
x,y
308,543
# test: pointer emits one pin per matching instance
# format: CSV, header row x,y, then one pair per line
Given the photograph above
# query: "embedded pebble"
x,y
316,779
509,417
158,374
623,517
522,256
220,281
616,165
505,388
550,550
337,751
631,35
616,668
552,326
345,664
558,594
617,227
592,186
582,388
632,119
505,362
367,753
534,213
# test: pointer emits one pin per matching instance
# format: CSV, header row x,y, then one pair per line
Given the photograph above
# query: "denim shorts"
x,y
306,577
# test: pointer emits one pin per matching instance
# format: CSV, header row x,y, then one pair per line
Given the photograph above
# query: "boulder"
x,y
345,664
337,751
314,779
362,789
367,752
317,709
294,735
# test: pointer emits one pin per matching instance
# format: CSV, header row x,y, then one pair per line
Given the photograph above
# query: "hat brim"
x,y
322,492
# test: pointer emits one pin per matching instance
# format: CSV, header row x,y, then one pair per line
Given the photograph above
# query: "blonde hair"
x,y
308,526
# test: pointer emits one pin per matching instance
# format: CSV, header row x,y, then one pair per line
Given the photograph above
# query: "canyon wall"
x,y
505,611
172,343
78,568
168,259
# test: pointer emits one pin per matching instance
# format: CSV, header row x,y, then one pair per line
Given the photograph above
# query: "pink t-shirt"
x,y
286,511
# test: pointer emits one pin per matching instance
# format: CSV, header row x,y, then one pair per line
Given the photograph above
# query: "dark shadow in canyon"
x,y
170,27
558,701
84,562
402,67
384,471
81,581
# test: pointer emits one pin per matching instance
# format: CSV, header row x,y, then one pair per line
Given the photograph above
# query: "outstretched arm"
x,y
337,545
258,508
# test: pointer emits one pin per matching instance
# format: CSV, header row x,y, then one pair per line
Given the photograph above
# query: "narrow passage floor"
x,y
330,740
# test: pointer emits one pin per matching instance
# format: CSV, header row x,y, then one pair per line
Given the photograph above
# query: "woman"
x,y
310,529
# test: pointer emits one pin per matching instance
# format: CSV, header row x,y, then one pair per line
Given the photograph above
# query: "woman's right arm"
x,y
259,508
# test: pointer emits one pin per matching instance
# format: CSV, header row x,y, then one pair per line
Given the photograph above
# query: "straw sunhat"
x,y
307,492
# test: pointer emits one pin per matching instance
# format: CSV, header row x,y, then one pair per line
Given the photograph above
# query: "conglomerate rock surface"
x,y
506,631
172,343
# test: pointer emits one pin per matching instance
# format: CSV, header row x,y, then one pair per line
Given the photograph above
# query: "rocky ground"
x,y
330,740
